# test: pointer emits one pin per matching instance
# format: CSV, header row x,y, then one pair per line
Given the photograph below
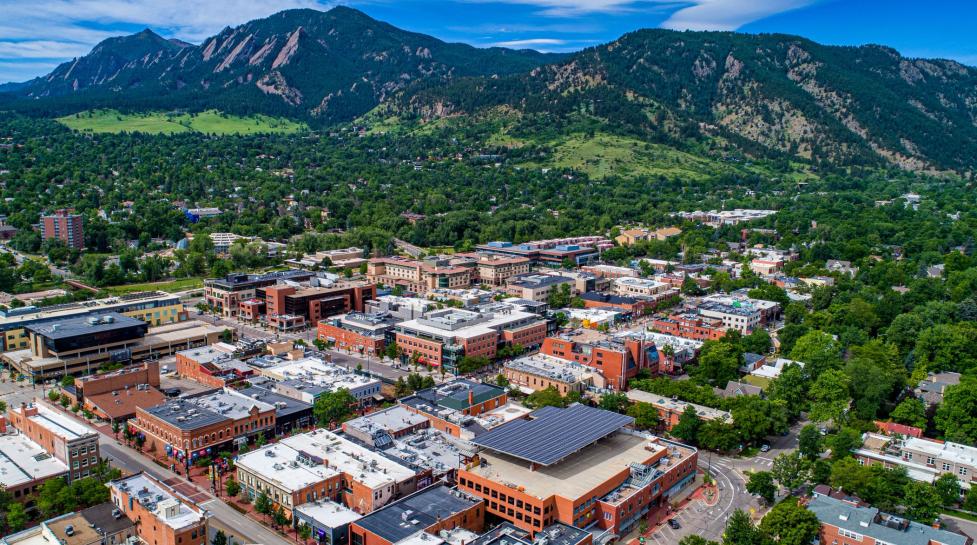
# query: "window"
x,y
946,466
929,461
963,471
849,534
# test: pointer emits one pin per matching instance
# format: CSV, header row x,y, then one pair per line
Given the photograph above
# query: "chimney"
x,y
471,397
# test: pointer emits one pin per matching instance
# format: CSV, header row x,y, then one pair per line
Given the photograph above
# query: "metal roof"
x,y
553,433
416,512
85,325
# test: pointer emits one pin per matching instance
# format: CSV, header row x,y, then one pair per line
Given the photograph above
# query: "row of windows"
x,y
84,462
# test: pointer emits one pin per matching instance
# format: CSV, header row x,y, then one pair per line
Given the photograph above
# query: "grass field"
x,y
172,286
208,122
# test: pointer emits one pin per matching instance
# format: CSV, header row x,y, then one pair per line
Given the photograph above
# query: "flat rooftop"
x,y
676,406
417,512
59,424
432,449
392,420
869,521
453,395
23,461
85,325
159,499
319,373
576,475
553,433
286,467
186,415
229,403
14,317
338,453
551,367
328,513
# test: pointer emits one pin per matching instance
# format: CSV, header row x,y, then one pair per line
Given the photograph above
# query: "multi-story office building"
x,y
165,516
495,270
153,307
576,465
617,360
443,337
79,345
287,307
359,332
65,226
226,294
421,276
538,287
69,441
551,253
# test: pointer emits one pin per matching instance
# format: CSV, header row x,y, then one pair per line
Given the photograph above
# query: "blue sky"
x,y
36,35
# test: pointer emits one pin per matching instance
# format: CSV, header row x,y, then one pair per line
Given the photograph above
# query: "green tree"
x,y
262,504
67,381
829,396
818,351
694,539
334,407
232,487
791,470
910,411
790,387
843,442
304,532
761,483
687,427
719,363
645,416
790,523
809,442
280,518
956,417
616,401
741,531
549,397
717,435
220,538
16,517
922,501
948,488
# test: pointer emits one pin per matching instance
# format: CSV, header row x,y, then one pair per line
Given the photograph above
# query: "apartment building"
x,y
287,476
443,337
25,465
165,516
359,332
153,307
66,226
66,439
845,522
368,479
671,410
494,270
924,459
539,372
421,276
429,512
579,466
226,294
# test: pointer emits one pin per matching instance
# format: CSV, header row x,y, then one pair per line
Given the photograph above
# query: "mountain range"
x,y
768,95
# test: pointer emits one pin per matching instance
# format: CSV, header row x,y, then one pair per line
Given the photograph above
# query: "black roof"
x,y
417,512
101,516
186,415
552,433
262,389
608,298
85,325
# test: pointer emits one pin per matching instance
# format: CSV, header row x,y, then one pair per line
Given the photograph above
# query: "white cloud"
x,y
728,14
530,42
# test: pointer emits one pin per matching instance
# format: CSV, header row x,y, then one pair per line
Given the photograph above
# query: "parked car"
x,y
673,524
765,448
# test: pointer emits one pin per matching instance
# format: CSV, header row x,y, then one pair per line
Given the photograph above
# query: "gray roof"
x,y
85,325
186,415
262,389
869,521
553,433
396,521
101,516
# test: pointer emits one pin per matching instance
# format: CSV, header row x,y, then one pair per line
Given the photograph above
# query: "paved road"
x,y
959,525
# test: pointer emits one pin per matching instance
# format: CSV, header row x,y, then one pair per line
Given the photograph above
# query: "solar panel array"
x,y
553,433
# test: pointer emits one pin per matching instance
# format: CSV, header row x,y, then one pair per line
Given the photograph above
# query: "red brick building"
x,y
66,439
65,226
618,360
430,511
690,326
164,516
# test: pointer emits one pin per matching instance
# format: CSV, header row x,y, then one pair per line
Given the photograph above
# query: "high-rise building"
x,y
65,226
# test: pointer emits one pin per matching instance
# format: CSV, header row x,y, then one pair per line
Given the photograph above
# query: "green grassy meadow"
x,y
208,122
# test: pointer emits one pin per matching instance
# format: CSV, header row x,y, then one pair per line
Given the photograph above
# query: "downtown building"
x,y
579,466
443,337
164,516
66,439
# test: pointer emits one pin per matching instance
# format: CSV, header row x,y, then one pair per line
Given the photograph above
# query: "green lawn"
x,y
181,284
762,382
209,122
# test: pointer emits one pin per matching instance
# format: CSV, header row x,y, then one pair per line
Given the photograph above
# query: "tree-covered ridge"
x,y
763,95
304,63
